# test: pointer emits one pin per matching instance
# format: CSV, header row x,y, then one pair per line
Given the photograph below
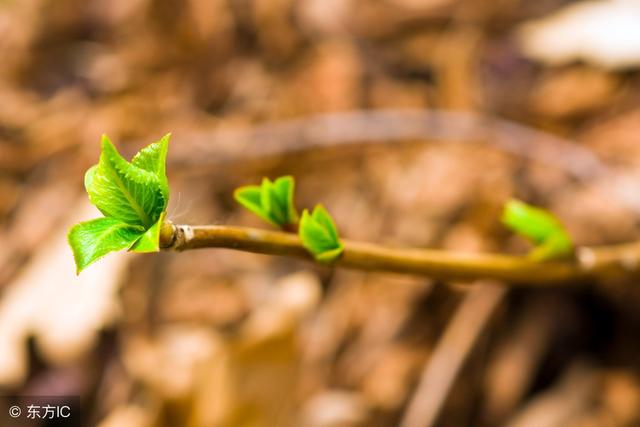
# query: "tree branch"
x,y
590,263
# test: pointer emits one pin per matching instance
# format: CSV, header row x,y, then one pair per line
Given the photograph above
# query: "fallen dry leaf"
x,y
605,33
62,311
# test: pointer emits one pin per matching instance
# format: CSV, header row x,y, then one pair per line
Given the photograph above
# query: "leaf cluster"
x,y
542,228
271,201
132,196
319,235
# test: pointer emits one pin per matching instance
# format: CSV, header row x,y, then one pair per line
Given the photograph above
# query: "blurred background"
x,y
411,120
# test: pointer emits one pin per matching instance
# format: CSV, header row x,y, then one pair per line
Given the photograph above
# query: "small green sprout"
x,y
319,235
271,201
539,226
133,198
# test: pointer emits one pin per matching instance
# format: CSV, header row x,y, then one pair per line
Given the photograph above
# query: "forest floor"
x,y
354,99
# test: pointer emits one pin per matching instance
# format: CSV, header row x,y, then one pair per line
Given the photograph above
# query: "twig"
x,y
603,262
452,351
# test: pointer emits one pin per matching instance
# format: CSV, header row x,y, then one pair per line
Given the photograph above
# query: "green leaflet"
x,y
542,228
153,158
91,240
319,235
149,241
133,198
271,201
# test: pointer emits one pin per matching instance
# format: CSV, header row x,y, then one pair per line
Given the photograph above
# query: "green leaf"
x,y
267,202
271,201
250,197
319,235
123,191
533,223
153,158
150,240
284,188
91,240
541,227
132,196
88,177
329,256
555,247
